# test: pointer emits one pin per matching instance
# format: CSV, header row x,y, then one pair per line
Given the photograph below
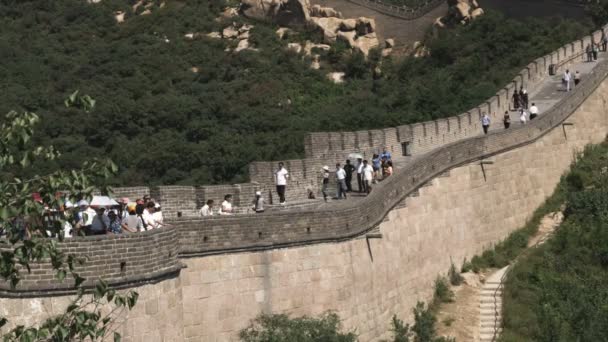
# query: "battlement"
x,y
446,144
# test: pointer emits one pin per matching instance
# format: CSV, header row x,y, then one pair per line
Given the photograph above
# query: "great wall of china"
x,y
205,278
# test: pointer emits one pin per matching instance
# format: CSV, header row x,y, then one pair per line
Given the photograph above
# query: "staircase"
x,y
490,307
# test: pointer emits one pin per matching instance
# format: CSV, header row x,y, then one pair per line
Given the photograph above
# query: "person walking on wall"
x,y
376,166
506,120
577,78
349,169
604,41
360,174
589,53
594,49
515,100
207,209
226,207
524,98
280,177
485,123
368,176
522,116
341,182
567,79
533,111
325,183
258,203
386,154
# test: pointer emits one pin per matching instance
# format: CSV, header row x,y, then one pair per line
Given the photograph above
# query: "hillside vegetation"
x,y
558,291
164,124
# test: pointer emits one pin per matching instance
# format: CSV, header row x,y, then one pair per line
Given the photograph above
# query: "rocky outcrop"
x,y
459,12
282,12
359,34
324,12
231,33
336,77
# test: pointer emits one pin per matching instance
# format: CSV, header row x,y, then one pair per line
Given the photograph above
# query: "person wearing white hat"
x,y
258,202
84,217
325,182
158,215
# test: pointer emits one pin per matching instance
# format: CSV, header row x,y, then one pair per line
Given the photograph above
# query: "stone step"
x,y
489,324
490,305
490,299
488,331
485,312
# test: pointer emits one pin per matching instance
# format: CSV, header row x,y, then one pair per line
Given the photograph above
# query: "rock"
x,y
242,45
366,43
329,27
386,52
283,32
389,43
365,26
189,36
336,77
229,12
215,35
194,70
315,62
439,23
294,47
243,35
476,13
463,9
348,25
136,5
162,5
146,12
471,279
282,12
93,1
308,46
230,32
324,12
347,37
119,16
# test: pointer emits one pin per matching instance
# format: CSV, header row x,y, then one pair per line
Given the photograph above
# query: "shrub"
x,y
455,277
443,294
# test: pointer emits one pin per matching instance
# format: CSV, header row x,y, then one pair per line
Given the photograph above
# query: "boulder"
x,y
347,37
336,77
389,43
315,62
230,32
283,32
366,43
294,47
189,36
365,26
242,45
194,70
324,12
215,35
386,52
146,12
243,35
348,25
229,12
119,16
308,46
136,5
329,27
93,1
282,12
476,13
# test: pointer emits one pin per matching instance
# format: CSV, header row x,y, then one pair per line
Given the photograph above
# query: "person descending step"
x,y
567,79
506,120
258,203
522,116
280,177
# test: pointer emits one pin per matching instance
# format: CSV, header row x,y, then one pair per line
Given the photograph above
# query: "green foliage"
x,y
557,291
164,124
443,293
454,276
282,328
26,236
401,331
598,10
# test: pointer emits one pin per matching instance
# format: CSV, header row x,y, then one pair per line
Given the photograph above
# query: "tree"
x,y
27,238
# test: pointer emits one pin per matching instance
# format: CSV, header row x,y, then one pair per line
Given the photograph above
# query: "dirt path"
x,y
461,318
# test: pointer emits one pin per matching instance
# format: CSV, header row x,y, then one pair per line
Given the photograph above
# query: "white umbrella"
x,y
355,156
103,201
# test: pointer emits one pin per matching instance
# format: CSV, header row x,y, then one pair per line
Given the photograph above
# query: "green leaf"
x,y
61,275
117,337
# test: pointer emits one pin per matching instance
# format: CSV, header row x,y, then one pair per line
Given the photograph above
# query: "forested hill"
x,y
165,124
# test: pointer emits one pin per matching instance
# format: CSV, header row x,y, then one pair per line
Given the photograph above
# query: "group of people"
x,y
568,78
524,116
366,173
141,215
226,208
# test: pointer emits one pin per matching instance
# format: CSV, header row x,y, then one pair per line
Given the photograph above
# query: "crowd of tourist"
x,y
123,216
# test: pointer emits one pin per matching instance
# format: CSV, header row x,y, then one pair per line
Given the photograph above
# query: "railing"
x,y
402,12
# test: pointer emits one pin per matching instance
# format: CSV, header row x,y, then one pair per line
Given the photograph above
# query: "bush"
x,y
455,277
442,294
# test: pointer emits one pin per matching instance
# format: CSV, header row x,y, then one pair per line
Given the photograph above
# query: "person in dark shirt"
x,y
349,169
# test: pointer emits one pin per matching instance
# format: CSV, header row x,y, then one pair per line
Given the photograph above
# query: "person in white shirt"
x,y
567,79
280,177
158,215
533,111
148,216
100,223
258,203
522,116
84,217
341,182
360,174
132,223
368,176
485,123
207,209
325,182
226,207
